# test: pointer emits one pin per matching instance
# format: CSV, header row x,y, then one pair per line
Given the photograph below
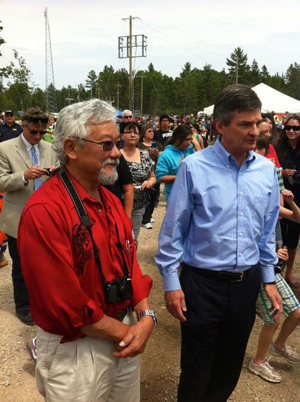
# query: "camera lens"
x,y
125,290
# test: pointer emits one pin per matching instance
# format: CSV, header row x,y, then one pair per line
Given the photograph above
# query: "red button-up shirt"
x,y
57,257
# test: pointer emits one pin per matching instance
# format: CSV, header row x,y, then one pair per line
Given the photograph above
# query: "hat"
x,y
9,111
164,116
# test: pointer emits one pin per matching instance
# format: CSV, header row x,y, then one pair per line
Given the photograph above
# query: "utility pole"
x,y
237,71
137,42
141,77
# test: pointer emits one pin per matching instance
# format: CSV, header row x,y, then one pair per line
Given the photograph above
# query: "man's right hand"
x,y
175,303
33,173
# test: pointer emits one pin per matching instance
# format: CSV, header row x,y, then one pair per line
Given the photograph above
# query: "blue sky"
x,y
84,34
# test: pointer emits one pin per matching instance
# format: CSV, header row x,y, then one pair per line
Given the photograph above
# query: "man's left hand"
x,y
134,342
276,300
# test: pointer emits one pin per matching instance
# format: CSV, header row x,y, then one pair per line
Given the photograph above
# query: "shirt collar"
x,y
226,157
28,145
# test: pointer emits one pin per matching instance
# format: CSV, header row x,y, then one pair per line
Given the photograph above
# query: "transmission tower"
x,y
51,104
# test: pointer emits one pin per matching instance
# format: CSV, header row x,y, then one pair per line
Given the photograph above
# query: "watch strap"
x,y
150,313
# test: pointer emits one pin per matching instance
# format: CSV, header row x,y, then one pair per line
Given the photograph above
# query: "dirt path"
x,y
160,361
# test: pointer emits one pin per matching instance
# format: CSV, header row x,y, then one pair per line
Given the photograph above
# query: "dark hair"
x,y
263,143
130,125
197,127
235,99
283,142
144,128
270,117
35,115
179,134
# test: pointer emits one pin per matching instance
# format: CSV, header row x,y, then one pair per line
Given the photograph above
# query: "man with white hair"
x,y
127,116
79,263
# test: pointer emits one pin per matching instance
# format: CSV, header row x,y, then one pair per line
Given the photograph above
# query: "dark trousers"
x,y
21,295
150,207
220,316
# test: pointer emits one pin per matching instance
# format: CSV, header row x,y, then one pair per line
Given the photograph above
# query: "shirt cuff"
x,y
267,274
24,180
171,282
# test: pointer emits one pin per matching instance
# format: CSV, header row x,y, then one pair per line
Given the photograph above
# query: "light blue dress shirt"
x,y
220,216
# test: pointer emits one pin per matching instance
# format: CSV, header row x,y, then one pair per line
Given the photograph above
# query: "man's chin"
x,y
108,178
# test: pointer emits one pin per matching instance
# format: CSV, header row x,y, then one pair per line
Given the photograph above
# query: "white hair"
x,y
74,121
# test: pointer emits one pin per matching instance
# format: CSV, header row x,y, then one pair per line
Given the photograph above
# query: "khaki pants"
x,y
85,370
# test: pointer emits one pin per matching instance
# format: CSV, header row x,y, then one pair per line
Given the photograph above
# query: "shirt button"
x,y
242,213
241,193
240,254
240,234
99,210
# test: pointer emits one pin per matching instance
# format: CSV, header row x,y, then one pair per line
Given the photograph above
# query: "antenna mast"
x,y
51,104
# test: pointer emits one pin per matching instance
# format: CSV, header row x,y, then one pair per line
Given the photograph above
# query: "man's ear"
x,y
71,147
219,127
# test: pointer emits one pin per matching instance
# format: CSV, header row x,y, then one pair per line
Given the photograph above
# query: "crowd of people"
x,y
231,225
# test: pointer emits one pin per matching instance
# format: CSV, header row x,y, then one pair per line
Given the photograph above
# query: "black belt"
x,y
224,276
121,315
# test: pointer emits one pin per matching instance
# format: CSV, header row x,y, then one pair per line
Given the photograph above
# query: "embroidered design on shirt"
x,y
82,244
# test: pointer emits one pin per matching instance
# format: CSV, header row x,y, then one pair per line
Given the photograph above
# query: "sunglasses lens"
x,y
120,144
38,119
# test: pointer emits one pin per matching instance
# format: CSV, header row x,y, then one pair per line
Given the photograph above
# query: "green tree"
x,y
91,82
292,79
238,67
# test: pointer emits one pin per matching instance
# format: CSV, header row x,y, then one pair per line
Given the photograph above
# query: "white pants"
x,y
85,370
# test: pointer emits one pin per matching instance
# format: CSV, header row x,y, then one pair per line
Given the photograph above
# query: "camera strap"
x,y
84,218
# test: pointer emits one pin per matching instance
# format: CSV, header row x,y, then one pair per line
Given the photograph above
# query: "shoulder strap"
x,y
84,218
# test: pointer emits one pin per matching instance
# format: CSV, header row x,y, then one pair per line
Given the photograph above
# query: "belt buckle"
x,y
240,278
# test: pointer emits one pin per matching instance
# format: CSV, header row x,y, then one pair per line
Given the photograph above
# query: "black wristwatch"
x,y
270,283
150,313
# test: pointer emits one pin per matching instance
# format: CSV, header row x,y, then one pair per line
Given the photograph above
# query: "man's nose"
x,y
115,153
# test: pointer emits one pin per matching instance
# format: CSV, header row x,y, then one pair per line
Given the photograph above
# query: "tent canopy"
x,y
272,101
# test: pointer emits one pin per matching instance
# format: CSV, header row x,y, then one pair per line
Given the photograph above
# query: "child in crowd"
x,y
260,364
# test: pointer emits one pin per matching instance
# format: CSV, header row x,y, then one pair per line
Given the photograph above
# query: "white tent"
x,y
271,100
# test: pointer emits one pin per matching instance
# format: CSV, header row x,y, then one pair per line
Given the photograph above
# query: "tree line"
x,y
154,92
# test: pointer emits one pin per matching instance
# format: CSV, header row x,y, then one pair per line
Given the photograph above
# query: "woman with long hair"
x,y
288,152
142,170
154,148
181,144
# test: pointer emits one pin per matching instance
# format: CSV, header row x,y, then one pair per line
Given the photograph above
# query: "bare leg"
x,y
265,339
290,323
289,266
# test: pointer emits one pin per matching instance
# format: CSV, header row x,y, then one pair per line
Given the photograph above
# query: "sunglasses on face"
x,y
108,145
294,128
39,119
127,117
9,115
34,132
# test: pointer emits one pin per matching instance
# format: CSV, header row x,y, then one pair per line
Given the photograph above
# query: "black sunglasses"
x,y
8,115
127,117
38,119
34,132
107,145
294,128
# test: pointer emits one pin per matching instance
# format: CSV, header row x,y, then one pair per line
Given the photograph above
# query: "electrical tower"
x,y
51,104
125,48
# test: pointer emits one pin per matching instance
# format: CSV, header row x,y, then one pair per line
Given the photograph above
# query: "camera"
x,y
48,173
279,267
296,177
117,290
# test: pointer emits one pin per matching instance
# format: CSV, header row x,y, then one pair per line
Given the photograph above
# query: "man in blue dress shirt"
x,y
220,221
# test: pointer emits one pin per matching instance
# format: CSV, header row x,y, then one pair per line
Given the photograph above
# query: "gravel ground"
x,y
160,361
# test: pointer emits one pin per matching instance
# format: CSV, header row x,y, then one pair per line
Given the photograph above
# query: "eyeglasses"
x,y
127,117
35,132
107,145
294,128
130,132
9,115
